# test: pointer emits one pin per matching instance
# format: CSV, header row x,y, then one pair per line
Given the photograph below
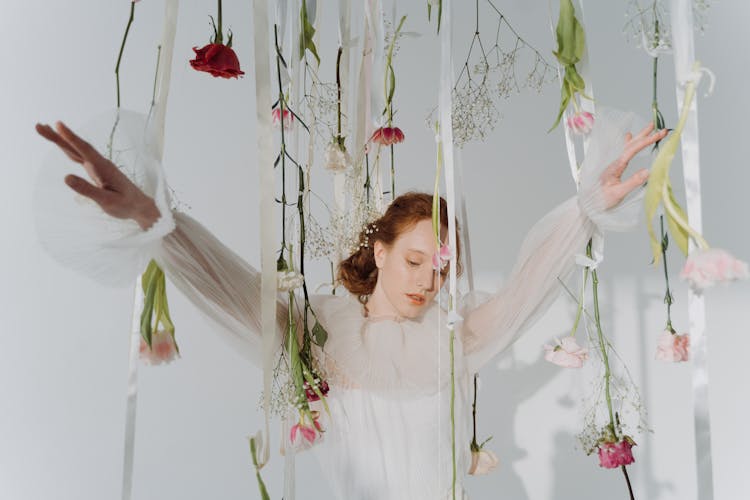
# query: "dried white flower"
x,y
289,280
337,159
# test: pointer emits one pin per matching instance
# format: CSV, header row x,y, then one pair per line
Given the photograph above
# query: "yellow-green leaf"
x,y
679,233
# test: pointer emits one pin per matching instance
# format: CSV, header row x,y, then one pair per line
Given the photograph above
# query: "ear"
x,y
380,252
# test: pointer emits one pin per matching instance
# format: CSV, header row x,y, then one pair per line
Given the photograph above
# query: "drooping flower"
x,y
386,136
337,158
482,462
706,267
581,123
567,353
288,118
309,431
312,395
163,348
441,258
613,455
289,280
217,59
673,347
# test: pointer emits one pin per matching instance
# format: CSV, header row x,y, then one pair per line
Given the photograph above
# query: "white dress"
x,y
388,433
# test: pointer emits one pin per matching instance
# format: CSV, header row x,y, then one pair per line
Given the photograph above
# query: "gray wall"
x,y
63,340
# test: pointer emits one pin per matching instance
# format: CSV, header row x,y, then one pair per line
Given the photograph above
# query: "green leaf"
x,y
576,80
306,36
679,234
319,334
570,38
564,101
392,84
148,309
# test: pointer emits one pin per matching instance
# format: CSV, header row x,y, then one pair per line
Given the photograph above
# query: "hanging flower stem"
x,y
580,302
612,427
219,34
122,48
339,138
668,298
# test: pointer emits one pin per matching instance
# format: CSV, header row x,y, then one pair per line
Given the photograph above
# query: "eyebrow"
x,y
415,250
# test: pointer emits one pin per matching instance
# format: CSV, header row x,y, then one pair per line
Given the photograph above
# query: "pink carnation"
x,y
567,353
672,347
704,268
613,455
581,123
288,118
163,348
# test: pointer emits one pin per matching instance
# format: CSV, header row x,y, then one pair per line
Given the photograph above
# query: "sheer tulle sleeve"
x,y
114,252
548,253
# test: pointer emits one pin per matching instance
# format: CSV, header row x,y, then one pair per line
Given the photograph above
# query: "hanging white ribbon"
x,y
684,57
266,188
156,135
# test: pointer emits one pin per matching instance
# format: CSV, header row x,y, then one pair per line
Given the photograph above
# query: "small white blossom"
x,y
337,159
289,280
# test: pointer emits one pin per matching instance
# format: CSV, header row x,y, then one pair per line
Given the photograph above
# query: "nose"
x,y
426,280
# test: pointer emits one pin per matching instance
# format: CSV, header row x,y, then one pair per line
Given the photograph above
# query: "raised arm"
x,y
547,255
112,239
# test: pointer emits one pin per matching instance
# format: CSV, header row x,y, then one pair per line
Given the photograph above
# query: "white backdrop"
x,y
63,340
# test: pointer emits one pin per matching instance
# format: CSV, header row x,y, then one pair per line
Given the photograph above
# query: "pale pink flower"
x,y
441,258
288,118
567,353
337,159
482,462
704,268
581,123
672,347
613,455
163,348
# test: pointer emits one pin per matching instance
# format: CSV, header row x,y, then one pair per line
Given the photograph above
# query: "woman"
x,y
386,358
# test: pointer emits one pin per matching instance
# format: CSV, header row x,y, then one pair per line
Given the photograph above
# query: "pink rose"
x,y
613,455
567,353
672,347
581,123
288,118
706,267
163,349
387,136
482,462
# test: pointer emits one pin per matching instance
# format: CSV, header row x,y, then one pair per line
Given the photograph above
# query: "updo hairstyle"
x,y
358,273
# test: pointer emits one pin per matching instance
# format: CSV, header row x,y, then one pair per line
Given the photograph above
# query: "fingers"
x,y
84,188
49,134
628,137
83,148
641,142
621,190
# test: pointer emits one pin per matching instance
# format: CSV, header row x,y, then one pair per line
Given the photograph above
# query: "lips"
x,y
415,298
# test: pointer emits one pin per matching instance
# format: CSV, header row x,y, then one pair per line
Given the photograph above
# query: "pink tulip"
x,y
567,353
706,267
581,123
387,136
309,431
672,347
441,258
288,118
163,349
613,455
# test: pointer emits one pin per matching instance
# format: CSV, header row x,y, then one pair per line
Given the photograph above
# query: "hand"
x,y
613,187
112,190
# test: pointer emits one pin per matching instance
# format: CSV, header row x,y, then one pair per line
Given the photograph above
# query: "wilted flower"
x,y
567,353
673,347
309,431
613,455
288,118
441,258
287,281
163,348
482,462
581,123
337,159
706,267
387,136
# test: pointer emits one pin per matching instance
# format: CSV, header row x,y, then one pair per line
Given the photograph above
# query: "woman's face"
x,y
407,281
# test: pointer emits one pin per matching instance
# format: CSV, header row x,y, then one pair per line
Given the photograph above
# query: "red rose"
x,y
217,59
312,395
387,136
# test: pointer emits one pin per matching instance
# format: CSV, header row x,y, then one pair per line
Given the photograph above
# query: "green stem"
x,y
219,35
474,444
393,176
338,96
122,48
668,295
453,403
602,345
283,143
